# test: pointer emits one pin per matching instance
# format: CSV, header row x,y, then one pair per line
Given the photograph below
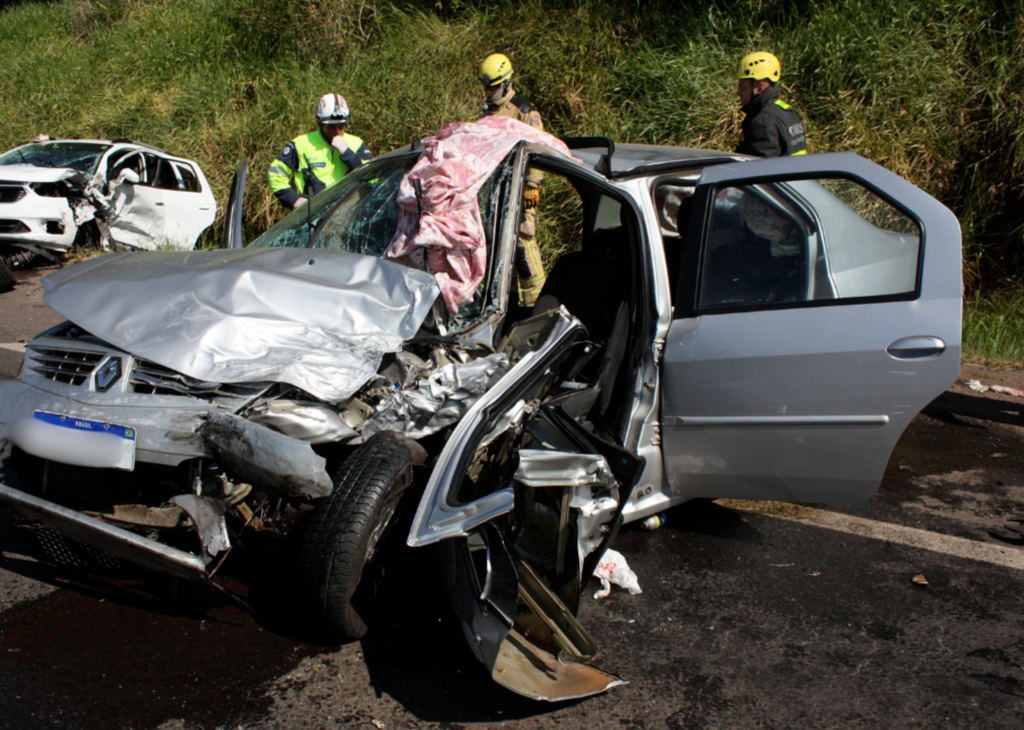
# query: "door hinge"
x,y
659,350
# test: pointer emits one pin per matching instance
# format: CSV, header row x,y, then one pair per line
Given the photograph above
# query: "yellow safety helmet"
x,y
759,65
495,69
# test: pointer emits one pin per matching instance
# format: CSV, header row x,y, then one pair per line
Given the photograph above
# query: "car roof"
x,y
110,142
629,159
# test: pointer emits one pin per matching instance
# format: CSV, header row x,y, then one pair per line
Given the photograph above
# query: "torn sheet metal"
x,y
117,541
439,400
33,174
539,468
438,516
208,516
243,316
267,460
164,518
439,227
314,423
530,671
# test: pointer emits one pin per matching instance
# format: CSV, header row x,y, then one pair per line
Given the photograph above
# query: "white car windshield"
x,y
81,156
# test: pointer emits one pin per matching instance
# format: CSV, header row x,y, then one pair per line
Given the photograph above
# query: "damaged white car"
x,y
62,193
721,327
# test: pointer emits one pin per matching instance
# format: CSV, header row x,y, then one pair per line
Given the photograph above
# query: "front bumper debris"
x,y
108,538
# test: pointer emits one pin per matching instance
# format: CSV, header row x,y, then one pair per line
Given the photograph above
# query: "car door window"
x,y
152,165
673,202
132,161
794,242
189,180
165,178
870,248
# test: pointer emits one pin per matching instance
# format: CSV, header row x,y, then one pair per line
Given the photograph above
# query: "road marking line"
x,y
958,547
16,346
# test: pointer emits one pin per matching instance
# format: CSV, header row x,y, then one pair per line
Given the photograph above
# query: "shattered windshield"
x,y
81,156
359,214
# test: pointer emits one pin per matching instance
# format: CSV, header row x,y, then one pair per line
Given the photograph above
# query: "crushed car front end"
x,y
195,398
37,207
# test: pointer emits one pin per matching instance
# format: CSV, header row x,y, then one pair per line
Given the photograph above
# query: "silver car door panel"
x,y
804,400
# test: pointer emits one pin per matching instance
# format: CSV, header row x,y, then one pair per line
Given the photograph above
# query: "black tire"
x,y
7,280
18,259
344,535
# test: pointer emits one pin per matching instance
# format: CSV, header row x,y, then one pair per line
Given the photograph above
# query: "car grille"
x,y
62,366
11,193
148,378
12,226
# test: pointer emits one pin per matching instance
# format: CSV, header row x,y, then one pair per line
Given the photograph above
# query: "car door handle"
x,y
915,348
159,202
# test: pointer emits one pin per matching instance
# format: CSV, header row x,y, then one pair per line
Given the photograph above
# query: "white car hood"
x,y
318,320
33,174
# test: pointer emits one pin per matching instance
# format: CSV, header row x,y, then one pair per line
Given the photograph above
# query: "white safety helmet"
x,y
332,109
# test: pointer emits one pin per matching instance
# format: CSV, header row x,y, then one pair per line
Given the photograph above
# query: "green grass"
x,y
933,90
993,333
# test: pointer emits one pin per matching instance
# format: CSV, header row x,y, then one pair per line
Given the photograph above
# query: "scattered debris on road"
x,y
614,569
979,387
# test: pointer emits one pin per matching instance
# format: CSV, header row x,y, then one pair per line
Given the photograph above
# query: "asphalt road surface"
x,y
752,615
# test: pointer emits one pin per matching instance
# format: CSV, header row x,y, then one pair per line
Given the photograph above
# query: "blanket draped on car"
x,y
440,230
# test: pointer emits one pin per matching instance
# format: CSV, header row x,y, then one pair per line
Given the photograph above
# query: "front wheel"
x,y
339,554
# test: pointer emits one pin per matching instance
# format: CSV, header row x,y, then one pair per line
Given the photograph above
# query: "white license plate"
x,y
79,441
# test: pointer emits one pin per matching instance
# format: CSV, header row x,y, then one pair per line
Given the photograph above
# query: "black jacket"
x,y
771,128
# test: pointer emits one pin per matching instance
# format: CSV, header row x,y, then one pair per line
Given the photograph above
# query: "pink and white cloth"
x,y
442,232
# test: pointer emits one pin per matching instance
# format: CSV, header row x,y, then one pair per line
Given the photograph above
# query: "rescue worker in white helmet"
x,y
771,127
501,100
315,161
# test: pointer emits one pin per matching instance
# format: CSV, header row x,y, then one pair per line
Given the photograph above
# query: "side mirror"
x,y
129,176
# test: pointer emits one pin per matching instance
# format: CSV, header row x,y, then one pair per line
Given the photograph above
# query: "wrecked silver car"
x,y
62,193
718,327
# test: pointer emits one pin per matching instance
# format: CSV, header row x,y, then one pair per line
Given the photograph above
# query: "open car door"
x,y
818,312
522,502
233,211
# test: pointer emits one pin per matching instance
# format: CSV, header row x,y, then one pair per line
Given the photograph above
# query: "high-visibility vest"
x,y
312,151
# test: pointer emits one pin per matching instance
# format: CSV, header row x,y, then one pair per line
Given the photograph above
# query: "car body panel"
x,y
243,316
138,216
805,403
188,212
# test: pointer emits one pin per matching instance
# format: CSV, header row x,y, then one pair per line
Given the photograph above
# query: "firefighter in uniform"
x,y
315,161
502,100
771,127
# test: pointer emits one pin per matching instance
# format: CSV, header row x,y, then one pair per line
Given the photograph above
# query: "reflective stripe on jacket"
x,y
310,151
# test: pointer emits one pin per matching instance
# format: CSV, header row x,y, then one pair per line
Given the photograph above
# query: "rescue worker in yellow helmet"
x,y
315,161
771,127
501,100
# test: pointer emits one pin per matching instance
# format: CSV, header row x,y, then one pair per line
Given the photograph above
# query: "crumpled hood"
x,y
318,320
33,174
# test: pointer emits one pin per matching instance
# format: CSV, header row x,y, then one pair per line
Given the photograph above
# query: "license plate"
x,y
85,442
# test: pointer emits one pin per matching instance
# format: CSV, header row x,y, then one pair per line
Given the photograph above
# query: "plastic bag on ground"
x,y
614,569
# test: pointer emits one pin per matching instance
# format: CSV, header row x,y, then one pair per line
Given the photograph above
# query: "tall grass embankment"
x,y
933,90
